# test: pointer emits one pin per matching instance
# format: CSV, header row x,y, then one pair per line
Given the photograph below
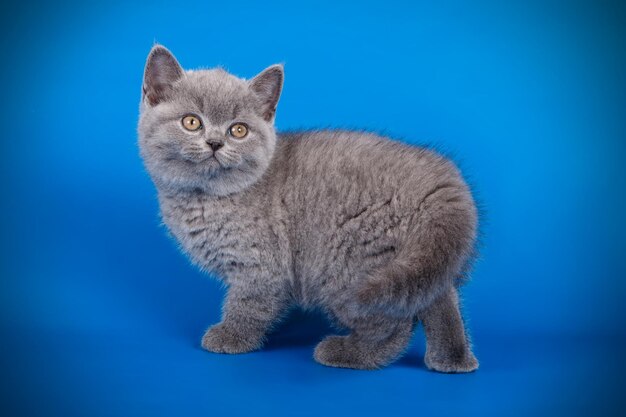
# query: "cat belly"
x,y
331,264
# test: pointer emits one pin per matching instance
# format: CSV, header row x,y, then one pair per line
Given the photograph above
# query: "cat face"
x,y
206,129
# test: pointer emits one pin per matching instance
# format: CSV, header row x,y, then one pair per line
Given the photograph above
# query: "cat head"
x,y
206,130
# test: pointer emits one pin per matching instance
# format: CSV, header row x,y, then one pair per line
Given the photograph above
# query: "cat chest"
x,y
214,241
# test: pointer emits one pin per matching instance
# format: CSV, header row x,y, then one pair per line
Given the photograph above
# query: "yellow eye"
x,y
238,130
191,122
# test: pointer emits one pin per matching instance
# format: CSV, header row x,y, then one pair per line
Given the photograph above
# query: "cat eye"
x,y
191,122
238,130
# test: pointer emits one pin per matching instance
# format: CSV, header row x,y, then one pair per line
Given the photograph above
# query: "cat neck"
x,y
187,194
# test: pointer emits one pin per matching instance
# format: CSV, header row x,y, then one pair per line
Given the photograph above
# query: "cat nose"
x,y
214,144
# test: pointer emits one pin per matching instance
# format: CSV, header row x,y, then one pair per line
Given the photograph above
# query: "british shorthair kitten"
x,y
374,232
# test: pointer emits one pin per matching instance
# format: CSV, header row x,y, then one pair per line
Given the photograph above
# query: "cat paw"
x,y
224,339
455,363
339,352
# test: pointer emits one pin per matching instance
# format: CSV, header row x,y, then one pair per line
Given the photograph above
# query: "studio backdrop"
x,y
101,315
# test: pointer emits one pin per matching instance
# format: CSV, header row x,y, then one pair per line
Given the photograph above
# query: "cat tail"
x,y
434,258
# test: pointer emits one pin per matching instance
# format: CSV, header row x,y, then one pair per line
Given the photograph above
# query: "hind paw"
x,y
455,363
339,352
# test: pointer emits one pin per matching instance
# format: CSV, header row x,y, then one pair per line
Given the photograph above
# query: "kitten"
x,y
374,232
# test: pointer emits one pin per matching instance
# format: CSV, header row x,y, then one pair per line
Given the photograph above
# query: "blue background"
x,y
102,316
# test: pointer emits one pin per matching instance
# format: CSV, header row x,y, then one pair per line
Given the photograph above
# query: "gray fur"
x,y
374,232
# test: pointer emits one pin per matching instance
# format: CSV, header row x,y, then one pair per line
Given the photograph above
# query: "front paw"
x,y
228,339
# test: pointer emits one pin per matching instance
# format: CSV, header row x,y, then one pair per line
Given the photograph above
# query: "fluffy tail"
x,y
431,261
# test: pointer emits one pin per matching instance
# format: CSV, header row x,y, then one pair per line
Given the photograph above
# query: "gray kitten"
x,y
374,232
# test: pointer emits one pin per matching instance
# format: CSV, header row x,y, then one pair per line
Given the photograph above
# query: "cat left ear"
x,y
267,86
162,70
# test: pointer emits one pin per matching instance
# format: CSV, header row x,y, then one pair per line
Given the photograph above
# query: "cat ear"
x,y
267,86
162,70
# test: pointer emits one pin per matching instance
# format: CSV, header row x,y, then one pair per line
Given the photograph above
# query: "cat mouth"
x,y
210,163
214,157
214,164
201,158
226,161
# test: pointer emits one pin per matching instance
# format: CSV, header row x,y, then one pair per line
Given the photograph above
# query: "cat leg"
x,y
447,347
248,314
374,342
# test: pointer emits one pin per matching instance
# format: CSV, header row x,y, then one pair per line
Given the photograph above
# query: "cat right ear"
x,y
162,70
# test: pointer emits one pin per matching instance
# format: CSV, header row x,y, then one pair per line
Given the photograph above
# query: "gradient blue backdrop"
x,y
101,316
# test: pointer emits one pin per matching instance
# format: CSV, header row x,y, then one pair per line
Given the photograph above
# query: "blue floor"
x,y
144,369
115,332
100,315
